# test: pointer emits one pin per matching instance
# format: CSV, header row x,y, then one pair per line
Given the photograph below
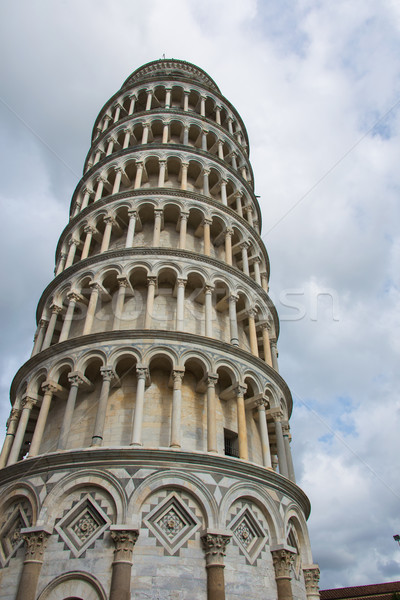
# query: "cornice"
x,y
165,459
188,339
128,253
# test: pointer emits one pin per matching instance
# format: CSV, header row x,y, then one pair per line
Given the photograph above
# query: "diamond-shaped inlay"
x,y
10,538
82,525
172,523
248,533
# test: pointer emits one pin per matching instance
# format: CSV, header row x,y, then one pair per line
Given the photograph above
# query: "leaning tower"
x,y
147,453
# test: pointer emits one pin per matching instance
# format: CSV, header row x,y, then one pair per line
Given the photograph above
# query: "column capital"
x,y
211,379
252,312
89,229
127,130
142,372
240,389
132,213
133,96
50,387
111,139
119,169
107,373
159,211
276,414
214,546
184,215
151,280
94,285
233,298
124,541
102,178
282,560
55,308
206,171
207,221
75,378
28,402
73,241
75,296
35,543
228,231
139,163
244,244
122,281
178,374
262,402
266,325
118,105
311,579
181,282
109,219
184,164
14,416
209,288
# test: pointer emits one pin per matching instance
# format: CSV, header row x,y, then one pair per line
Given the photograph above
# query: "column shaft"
x,y
12,425
139,404
241,424
211,414
131,228
27,405
69,413
49,390
91,309
175,441
97,438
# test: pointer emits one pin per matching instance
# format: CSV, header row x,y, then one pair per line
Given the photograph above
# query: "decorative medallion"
x,y
248,534
172,523
82,525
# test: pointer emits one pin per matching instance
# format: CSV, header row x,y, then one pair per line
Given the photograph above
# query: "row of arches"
x,y
164,225
157,296
152,400
174,172
160,130
171,96
181,493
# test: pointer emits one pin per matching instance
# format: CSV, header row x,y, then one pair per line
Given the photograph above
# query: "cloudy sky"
x,y
318,86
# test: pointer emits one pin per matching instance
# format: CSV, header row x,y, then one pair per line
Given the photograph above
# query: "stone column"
x,y
224,198
208,310
108,375
274,354
264,282
180,304
118,108
124,539
151,289
99,190
218,114
35,544
204,134
239,209
49,388
177,375
207,238
110,146
257,276
139,174
311,579
109,221
61,264
55,311
283,560
161,175
127,138
87,193
131,228
39,337
75,379
12,424
73,298
119,306
186,135
145,135
221,149
168,97
27,404
183,230
149,99
107,119
252,331
117,180
132,104
266,343
245,258
280,444
230,126
234,161
186,100
91,310
184,170
233,320
241,422
214,546
90,230
157,226
73,244
203,105
142,374
206,188
165,135
211,413
228,246
262,404
288,452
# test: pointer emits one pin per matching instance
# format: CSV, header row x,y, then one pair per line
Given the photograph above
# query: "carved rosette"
x,y
35,545
283,560
214,546
311,579
124,541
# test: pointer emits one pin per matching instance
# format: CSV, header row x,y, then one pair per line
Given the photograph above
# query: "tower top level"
x,y
171,67
148,443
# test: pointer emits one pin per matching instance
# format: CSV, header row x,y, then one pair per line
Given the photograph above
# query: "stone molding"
x,y
122,456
